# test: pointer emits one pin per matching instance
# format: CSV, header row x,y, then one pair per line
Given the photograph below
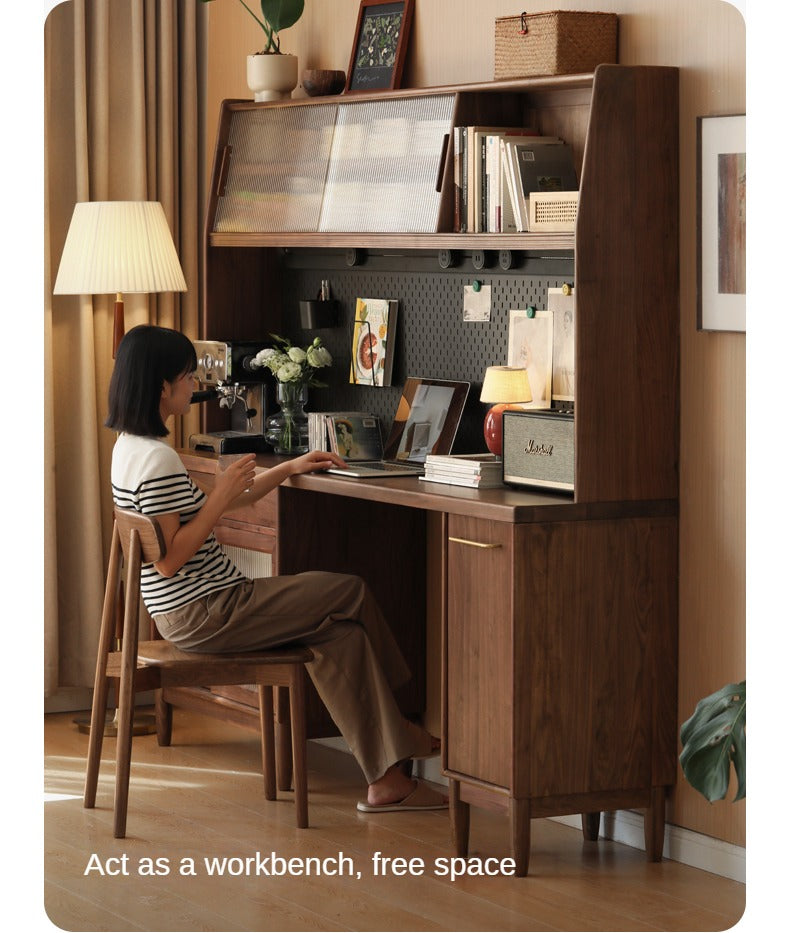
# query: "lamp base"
x,y
492,427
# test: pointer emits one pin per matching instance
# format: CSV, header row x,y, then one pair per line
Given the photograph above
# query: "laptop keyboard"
x,y
387,467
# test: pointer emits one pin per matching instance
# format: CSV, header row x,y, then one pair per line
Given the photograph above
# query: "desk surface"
x,y
503,504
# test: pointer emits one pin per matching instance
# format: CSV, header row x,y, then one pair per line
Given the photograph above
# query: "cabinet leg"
x,y
520,834
459,820
591,825
654,824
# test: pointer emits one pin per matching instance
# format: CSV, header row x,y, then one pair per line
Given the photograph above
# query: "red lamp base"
x,y
492,427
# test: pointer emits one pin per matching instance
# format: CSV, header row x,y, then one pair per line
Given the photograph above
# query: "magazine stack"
x,y
480,471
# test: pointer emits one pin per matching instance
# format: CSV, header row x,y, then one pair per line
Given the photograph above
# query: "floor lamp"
x,y
117,247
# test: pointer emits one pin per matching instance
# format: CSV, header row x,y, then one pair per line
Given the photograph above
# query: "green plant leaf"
x,y
280,14
713,738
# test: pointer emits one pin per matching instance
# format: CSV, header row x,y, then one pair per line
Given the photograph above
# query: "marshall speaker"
x,y
537,449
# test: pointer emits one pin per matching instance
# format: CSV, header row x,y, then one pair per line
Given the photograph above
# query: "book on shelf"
x,y
354,435
474,167
516,214
459,168
487,195
373,341
540,167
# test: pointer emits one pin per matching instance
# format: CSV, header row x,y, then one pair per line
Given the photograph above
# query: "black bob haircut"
x,y
147,357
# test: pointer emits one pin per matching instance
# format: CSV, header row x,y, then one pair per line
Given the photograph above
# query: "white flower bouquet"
x,y
294,365
294,368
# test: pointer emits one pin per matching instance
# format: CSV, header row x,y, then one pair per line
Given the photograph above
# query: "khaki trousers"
x,y
357,663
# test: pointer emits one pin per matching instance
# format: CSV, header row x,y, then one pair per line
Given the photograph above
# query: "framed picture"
x,y
721,223
380,42
530,341
373,341
562,308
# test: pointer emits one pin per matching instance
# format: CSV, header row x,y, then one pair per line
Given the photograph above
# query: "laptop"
x,y
426,422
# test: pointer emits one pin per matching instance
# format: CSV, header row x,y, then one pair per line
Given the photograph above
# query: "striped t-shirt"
x,y
147,475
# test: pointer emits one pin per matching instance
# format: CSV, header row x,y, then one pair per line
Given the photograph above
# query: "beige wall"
x,y
453,42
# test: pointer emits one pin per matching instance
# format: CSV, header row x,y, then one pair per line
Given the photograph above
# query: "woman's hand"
x,y
315,460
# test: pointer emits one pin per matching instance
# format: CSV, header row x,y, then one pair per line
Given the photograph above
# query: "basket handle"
x,y
524,29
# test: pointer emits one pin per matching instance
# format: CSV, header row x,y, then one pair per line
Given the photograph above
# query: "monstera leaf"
x,y
713,737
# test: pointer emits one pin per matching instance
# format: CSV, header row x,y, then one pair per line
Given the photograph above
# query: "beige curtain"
x,y
123,121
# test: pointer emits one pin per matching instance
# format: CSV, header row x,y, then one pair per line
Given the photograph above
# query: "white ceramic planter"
x,y
272,77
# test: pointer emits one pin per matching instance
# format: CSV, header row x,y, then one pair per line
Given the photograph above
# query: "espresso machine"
x,y
224,369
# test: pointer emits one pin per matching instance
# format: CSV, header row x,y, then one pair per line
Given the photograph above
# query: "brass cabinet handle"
x,y
473,543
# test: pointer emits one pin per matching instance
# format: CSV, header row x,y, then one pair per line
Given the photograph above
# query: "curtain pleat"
x,y
123,121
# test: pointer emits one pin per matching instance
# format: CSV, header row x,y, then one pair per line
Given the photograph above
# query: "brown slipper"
x,y
421,798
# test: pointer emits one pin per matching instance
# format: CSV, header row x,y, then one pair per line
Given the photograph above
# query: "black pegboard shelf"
x,y
432,337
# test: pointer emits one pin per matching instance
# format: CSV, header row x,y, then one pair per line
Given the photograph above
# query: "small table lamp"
x,y
119,246
503,385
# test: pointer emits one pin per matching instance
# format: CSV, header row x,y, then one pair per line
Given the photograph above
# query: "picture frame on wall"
x,y
530,346
721,223
380,43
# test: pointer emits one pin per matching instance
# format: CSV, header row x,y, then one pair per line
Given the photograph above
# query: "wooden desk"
x,y
559,632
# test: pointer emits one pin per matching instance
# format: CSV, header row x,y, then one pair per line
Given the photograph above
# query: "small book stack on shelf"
x,y
355,435
495,170
480,471
321,423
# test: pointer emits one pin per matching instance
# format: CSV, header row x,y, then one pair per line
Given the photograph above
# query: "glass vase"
x,y
287,430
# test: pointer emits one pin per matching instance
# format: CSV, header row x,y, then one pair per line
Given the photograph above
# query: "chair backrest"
x,y
152,542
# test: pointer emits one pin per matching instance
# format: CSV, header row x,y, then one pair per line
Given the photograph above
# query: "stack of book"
x,y
480,471
496,168
344,432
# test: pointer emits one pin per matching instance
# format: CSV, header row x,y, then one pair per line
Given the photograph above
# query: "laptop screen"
x,y
426,420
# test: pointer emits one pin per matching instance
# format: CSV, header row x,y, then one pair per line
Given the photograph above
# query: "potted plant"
x,y
272,74
714,739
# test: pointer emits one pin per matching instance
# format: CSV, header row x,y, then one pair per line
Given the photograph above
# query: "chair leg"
x,y
284,741
98,718
123,760
126,692
266,709
100,682
164,719
299,742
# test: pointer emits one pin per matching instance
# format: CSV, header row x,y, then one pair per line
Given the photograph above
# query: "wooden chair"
x,y
152,665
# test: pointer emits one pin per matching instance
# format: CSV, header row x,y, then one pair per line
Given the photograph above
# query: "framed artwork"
x,y
373,341
721,223
562,307
530,341
379,50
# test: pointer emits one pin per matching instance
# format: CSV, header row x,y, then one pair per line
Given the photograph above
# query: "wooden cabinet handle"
x,y
473,543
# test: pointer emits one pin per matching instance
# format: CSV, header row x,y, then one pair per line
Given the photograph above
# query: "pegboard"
x,y
432,338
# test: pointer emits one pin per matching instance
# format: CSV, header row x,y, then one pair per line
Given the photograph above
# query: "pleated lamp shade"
x,y
119,246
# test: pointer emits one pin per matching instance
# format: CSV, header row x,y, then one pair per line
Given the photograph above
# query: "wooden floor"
x,y
202,798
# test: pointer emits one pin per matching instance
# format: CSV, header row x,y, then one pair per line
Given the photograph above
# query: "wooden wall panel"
x,y
453,42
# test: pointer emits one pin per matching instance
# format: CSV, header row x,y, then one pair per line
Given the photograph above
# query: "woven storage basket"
x,y
557,43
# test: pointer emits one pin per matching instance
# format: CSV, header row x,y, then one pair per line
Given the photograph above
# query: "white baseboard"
x,y
626,826
680,844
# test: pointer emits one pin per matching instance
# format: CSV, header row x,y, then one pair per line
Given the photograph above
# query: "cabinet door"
x,y
479,650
